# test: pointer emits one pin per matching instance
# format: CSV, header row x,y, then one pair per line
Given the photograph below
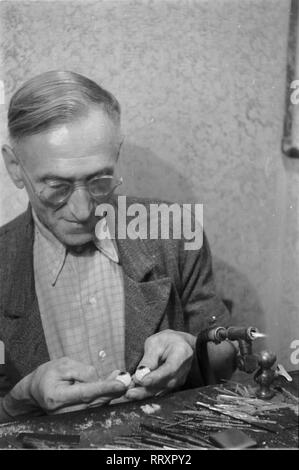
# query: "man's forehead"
x,y
95,127
71,147
58,135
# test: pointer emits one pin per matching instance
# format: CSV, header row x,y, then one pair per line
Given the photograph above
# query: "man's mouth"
x,y
80,227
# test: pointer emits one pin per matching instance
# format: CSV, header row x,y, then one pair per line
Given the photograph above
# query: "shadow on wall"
x,y
147,175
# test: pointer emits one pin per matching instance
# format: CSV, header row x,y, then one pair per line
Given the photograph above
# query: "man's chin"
x,y
77,239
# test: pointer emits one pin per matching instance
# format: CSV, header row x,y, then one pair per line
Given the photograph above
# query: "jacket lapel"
x,y
146,290
23,323
146,298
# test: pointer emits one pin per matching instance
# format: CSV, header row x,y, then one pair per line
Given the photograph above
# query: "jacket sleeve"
x,y
203,308
202,305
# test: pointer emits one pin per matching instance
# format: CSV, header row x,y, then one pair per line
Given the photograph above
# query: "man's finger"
x,y
87,392
113,374
149,362
174,367
139,393
102,401
152,356
82,406
68,409
79,372
161,376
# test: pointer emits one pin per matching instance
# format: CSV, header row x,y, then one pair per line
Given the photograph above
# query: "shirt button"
x,y
102,354
92,301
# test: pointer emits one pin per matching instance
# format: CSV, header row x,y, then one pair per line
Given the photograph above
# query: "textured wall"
x,y
202,87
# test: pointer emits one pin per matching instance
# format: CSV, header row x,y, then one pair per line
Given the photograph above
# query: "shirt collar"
x,y
105,244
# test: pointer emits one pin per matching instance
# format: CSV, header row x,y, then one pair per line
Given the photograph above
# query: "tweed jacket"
x,y
165,286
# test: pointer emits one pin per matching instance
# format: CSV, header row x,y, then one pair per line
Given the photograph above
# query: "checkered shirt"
x,y
81,300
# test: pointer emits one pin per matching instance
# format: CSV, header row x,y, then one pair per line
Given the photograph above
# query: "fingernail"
x,y
132,393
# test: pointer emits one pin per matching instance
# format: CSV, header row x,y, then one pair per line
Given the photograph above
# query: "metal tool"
x,y
247,360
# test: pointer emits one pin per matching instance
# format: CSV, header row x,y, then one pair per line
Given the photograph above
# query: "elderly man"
x,y
78,311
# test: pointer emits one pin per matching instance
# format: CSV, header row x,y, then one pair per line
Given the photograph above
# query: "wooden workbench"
x,y
101,426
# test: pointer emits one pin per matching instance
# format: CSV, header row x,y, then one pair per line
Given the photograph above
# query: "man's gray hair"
x,y
53,98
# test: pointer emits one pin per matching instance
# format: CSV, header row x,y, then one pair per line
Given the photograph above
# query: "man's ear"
x,y
12,166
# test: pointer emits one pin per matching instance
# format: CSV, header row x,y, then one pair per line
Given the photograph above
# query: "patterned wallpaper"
x,y
202,88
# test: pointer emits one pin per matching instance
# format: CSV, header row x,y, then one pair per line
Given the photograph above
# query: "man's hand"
x,y
168,354
58,385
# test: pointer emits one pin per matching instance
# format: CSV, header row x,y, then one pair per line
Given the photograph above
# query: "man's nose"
x,y
80,204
